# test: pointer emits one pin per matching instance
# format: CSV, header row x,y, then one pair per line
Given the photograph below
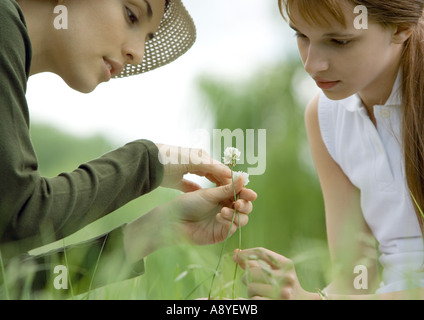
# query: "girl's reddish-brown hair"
x,y
402,14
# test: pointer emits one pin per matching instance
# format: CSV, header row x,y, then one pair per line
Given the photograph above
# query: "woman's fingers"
x,y
227,215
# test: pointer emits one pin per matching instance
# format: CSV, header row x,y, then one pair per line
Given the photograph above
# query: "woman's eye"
x,y
131,16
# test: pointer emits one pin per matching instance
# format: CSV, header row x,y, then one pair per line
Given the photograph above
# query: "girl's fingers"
x,y
270,257
262,291
274,260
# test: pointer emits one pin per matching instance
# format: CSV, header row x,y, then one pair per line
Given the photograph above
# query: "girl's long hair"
x,y
403,14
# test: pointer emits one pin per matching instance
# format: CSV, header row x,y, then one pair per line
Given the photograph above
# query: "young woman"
x,y
102,39
366,132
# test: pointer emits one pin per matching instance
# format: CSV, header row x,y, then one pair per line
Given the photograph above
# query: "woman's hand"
x,y
178,161
203,217
206,216
270,276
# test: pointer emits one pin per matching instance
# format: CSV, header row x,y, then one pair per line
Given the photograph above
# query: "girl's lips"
x,y
325,84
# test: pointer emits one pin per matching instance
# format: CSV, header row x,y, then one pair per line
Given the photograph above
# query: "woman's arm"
x,y
31,204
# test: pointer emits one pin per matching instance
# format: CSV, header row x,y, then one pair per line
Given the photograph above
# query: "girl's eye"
x,y
299,35
341,43
131,16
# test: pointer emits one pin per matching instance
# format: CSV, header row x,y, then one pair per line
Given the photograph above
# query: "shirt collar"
x,y
354,103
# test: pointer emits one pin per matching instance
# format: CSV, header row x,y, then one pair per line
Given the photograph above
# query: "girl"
x,y
103,39
366,132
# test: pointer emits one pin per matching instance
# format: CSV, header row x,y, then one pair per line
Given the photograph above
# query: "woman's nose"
x,y
133,51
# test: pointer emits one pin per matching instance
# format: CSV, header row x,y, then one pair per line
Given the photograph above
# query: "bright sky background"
x,y
234,39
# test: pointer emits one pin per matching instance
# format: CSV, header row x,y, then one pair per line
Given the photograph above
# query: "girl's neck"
x,y
378,92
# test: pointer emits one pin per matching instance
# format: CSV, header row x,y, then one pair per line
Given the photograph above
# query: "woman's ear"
x,y
401,34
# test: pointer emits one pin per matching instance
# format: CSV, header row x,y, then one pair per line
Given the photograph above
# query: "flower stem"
x,y
225,241
238,216
220,256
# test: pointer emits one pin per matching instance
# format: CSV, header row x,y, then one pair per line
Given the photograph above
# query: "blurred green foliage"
x,y
288,216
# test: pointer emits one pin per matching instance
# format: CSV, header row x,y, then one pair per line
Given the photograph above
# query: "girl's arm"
x,y
273,276
349,238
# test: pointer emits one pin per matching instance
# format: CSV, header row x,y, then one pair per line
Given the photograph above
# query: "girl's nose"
x,y
315,61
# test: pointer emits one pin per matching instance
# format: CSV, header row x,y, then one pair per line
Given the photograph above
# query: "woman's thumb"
x,y
227,191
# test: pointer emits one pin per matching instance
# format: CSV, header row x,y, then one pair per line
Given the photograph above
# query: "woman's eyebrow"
x,y
149,9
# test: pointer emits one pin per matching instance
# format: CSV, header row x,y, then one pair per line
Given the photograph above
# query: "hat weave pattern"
x,y
175,36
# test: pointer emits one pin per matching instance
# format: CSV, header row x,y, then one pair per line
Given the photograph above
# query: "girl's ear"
x,y
401,34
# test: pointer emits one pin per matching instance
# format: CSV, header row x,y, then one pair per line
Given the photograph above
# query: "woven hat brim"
x,y
175,36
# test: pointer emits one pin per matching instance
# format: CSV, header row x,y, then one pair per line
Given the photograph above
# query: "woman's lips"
x,y
108,70
113,68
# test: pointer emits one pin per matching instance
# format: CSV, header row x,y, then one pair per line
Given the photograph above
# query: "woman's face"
x,y
102,36
345,60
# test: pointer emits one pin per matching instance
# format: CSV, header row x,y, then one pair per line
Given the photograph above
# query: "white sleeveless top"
x,y
372,158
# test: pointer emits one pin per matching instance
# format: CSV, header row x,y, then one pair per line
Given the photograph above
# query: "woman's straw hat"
x,y
176,34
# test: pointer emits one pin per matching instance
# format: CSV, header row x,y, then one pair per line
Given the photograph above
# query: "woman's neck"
x,y
39,17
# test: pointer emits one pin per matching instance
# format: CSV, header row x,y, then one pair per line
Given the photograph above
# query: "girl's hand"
x,y
178,161
270,275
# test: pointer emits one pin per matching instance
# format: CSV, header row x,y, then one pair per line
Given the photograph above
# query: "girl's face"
x,y
102,36
344,60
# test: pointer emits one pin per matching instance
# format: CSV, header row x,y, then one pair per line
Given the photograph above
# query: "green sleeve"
x,y
34,208
70,271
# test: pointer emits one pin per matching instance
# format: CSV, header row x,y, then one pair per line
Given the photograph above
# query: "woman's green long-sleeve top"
x,y
31,204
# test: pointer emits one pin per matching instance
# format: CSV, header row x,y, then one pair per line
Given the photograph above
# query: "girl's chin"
x,y
337,95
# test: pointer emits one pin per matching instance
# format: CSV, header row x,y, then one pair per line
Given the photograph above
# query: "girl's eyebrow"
x,y
293,27
328,35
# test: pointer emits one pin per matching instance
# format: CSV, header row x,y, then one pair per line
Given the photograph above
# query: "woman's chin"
x,y
81,85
